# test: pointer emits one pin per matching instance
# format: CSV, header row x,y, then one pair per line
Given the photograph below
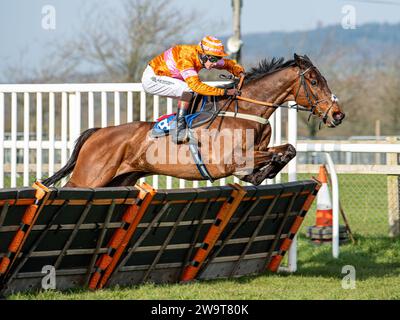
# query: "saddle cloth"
x,y
167,122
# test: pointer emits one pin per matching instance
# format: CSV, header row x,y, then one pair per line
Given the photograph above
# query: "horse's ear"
x,y
299,60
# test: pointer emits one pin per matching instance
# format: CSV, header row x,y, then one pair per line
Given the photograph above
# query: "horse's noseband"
x,y
314,109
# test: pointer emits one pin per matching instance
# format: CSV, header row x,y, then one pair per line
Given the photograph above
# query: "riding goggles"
x,y
213,59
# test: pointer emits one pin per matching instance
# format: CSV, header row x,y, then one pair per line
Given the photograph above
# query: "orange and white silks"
x,y
182,62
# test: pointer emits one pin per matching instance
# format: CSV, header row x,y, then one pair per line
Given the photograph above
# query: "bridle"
x,y
314,109
311,97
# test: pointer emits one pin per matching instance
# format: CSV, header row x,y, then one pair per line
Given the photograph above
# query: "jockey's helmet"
x,y
212,46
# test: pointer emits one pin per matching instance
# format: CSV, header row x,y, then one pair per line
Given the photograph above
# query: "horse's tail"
x,y
69,166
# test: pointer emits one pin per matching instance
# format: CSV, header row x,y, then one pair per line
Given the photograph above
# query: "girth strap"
x,y
243,116
194,150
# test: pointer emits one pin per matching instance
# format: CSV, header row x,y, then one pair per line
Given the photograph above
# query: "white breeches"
x,y
162,85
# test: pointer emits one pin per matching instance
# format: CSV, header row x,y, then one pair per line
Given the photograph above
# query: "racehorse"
x,y
118,155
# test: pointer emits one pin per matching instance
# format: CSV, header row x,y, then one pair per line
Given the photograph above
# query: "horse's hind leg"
x,y
274,163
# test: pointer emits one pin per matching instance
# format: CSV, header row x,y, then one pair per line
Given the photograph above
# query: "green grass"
x,y
319,276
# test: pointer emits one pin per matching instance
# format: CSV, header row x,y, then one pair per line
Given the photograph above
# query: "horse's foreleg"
x,y
275,158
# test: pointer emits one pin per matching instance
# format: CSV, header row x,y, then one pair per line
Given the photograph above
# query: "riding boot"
x,y
179,135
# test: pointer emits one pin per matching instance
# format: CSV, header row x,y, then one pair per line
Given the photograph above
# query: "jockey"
x,y
174,73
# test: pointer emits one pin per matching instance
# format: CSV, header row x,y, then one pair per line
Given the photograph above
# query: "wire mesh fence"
x,y
365,201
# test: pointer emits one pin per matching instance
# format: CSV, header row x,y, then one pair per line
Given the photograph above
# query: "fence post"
x,y
292,176
2,122
393,184
74,119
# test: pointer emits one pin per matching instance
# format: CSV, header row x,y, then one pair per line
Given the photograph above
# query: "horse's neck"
x,y
274,88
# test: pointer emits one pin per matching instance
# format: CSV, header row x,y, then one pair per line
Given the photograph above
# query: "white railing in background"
x,y
106,104
55,111
335,206
349,147
292,176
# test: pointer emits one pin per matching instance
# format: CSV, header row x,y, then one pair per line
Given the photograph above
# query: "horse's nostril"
x,y
338,116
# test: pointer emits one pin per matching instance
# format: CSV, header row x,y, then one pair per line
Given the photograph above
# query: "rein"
x,y
272,105
303,84
235,98
311,97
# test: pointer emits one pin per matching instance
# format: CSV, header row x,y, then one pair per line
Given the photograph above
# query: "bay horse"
x,y
118,155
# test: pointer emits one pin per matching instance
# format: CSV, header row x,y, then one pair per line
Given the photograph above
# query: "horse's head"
x,y
311,91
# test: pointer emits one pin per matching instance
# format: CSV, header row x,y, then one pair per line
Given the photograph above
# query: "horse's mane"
x,y
266,66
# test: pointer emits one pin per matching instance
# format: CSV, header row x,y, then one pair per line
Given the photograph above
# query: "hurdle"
x,y
148,235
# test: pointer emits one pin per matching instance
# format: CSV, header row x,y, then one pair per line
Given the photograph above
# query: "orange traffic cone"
x,y
321,232
324,203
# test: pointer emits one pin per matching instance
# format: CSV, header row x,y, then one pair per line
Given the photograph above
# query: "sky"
x,y
22,34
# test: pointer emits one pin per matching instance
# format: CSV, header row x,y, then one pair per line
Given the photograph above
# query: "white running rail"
x,y
39,124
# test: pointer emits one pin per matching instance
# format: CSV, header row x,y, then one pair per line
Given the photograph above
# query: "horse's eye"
x,y
313,82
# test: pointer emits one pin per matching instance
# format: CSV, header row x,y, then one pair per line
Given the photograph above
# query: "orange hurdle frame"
x,y
224,215
120,239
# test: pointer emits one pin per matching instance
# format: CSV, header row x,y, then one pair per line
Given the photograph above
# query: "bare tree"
x,y
387,96
112,45
119,44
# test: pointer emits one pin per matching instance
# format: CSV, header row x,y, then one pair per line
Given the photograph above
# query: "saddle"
x,y
202,110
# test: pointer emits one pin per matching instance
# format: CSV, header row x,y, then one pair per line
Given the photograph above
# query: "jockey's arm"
x,y
231,66
192,79
198,86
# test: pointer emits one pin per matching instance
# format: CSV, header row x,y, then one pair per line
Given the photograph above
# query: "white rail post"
x,y
278,136
26,138
39,125
129,106
90,109
74,119
393,187
52,117
14,124
117,108
292,176
142,115
104,121
64,131
335,206
2,114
